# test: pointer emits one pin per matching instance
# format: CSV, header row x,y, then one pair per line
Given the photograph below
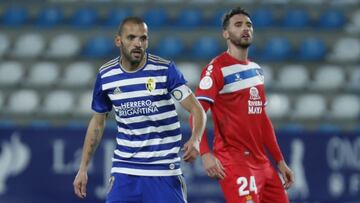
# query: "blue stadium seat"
x,y
205,48
156,18
262,18
49,17
291,129
312,49
170,47
189,18
216,19
277,48
327,129
296,19
99,46
84,17
15,15
332,19
116,16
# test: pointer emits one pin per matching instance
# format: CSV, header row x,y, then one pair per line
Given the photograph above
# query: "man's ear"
x,y
117,41
225,34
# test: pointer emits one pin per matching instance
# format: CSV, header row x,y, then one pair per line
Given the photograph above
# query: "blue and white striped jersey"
x,y
148,138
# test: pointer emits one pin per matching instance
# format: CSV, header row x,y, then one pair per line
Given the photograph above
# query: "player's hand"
x,y
191,150
80,184
286,173
213,166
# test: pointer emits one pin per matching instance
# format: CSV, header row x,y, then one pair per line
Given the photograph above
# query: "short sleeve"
x,y
101,103
174,77
211,82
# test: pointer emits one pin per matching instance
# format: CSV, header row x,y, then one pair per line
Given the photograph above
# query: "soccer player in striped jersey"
x,y
141,88
233,88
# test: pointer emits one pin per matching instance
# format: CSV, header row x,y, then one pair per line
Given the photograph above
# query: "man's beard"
x,y
239,44
133,61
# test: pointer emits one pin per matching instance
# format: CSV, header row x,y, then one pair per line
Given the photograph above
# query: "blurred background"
x,y
50,52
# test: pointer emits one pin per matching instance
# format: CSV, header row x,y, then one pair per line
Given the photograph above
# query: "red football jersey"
x,y
242,130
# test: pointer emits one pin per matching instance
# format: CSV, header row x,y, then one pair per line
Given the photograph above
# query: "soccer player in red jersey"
x,y
233,88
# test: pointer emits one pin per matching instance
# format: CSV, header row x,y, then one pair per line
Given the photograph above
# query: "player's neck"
x,y
240,54
131,67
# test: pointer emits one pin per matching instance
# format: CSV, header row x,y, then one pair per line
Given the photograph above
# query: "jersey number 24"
x,y
244,183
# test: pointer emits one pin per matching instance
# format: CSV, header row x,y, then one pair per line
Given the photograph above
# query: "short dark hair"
x,y
231,13
132,19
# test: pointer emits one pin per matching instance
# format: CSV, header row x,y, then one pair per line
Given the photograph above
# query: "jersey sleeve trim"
x,y
205,99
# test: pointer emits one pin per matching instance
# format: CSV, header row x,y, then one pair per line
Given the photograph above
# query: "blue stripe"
x,y
151,148
154,98
148,123
137,87
152,135
146,166
146,160
242,75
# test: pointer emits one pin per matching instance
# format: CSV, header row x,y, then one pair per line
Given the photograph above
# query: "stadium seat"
x,y
170,47
191,72
156,18
58,102
216,18
23,102
49,17
354,82
277,48
11,73
345,107
345,49
189,18
84,17
43,74
296,18
63,46
15,16
309,106
268,75
327,129
30,45
354,24
2,101
99,46
332,19
278,105
329,77
116,16
262,18
79,74
292,77
205,48
293,129
4,44
83,105
312,49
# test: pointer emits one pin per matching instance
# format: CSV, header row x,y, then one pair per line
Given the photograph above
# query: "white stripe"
x,y
109,64
205,98
141,172
134,94
242,84
164,161
183,188
160,153
149,129
112,72
132,81
149,142
142,118
228,70
155,67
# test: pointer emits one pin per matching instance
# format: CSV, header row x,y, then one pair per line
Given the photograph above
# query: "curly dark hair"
x,y
231,13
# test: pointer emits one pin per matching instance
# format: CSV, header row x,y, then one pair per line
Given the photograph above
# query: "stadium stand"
x,y
303,51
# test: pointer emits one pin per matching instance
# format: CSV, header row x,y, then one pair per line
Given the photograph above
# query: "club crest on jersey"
x,y
249,199
150,84
116,91
206,83
254,93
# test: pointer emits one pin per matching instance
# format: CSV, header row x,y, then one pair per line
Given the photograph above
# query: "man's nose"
x,y
137,42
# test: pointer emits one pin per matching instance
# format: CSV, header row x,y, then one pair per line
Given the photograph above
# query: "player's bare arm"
x,y
191,147
92,139
213,166
286,173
